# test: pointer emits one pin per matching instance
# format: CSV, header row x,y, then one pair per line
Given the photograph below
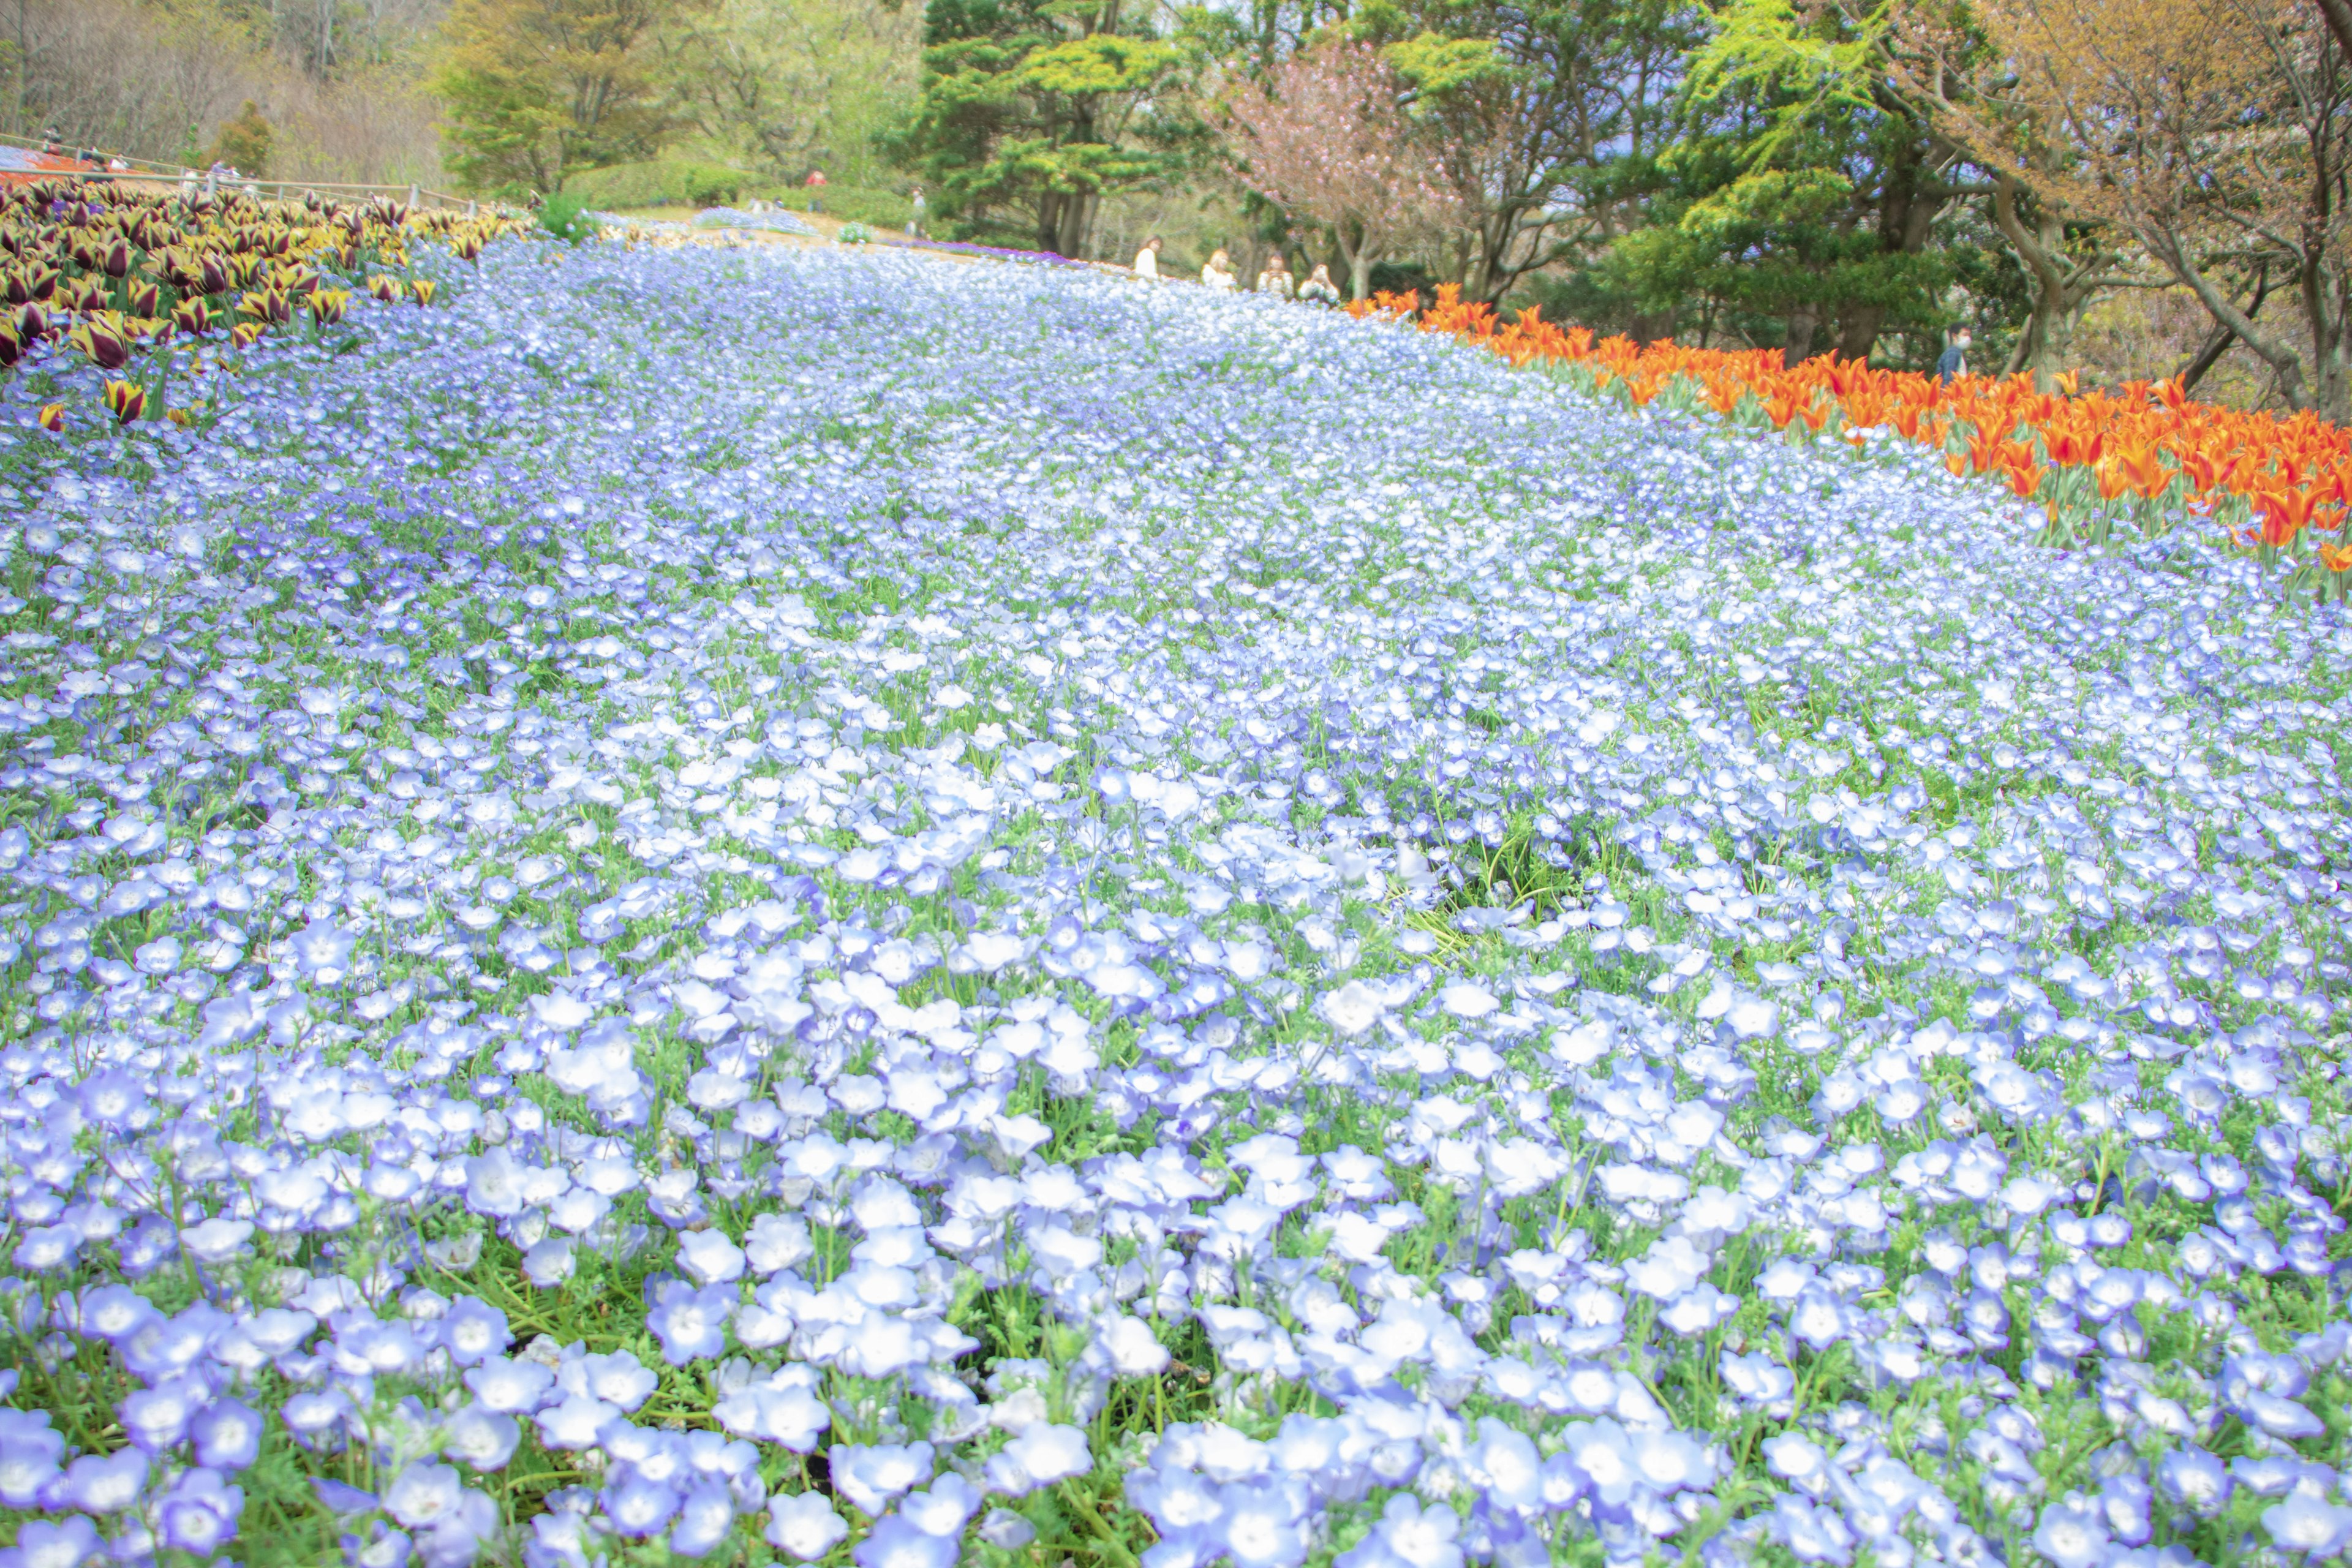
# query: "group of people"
x,y
1274,279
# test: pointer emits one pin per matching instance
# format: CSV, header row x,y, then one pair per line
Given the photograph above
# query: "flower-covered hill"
x,y
752,902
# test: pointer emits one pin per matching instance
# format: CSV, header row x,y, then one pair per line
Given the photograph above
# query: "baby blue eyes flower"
x,y
803,1525
199,1514
692,1324
473,1330
871,1477
510,1387
2310,1525
895,1543
1040,1455
943,1508
705,1518
2071,1536
709,1258
66,1543
228,1435
1409,1535
103,1486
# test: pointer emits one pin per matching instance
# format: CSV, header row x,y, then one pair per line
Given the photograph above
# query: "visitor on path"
x,y
1147,260
1274,279
1953,363
915,220
815,183
1219,272
1318,288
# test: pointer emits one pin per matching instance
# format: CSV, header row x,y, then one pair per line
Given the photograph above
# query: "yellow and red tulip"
x,y
104,338
126,400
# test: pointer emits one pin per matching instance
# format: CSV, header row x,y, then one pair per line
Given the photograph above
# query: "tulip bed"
x,y
2143,456
767,904
131,283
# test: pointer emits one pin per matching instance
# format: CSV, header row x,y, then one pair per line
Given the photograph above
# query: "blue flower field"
x,y
763,904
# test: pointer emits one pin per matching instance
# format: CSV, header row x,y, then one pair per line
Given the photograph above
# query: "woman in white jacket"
x,y
1219,272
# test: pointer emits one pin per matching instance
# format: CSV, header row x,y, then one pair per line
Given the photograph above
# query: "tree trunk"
x,y
1858,329
1359,275
1049,219
2338,14
2285,364
2061,289
2217,341
1654,326
1077,218
1802,321
2322,309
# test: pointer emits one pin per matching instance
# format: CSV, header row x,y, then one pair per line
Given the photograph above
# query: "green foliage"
x,y
243,143
533,89
860,203
565,216
671,183
1033,110
854,234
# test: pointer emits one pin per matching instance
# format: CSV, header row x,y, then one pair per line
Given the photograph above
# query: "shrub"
x,y
708,186
565,216
659,183
243,143
858,203
854,234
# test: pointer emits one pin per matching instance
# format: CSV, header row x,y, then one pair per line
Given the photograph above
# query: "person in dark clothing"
x,y
1953,363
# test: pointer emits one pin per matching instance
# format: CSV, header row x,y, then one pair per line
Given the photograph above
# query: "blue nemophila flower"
x,y
62,1543
102,1485
2071,1536
805,1525
1039,1456
690,1323
1409,1535
199,1514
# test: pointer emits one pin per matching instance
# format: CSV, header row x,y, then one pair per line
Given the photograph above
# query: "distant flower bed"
x,y
2145,455
773,222
105,278
962,248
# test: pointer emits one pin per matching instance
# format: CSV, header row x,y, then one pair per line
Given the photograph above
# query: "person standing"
x,y
1219,273
815,183
1147,260
1953,363
1318,288
915,221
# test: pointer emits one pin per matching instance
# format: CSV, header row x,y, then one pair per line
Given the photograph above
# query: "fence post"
x,y
412,195
473,209
212,183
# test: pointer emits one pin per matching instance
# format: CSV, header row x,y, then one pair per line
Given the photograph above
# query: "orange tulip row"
x,y
2275,483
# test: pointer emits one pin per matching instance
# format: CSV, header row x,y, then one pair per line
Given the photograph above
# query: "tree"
x,y
535,89
789,84
1033,110
1802,186
2215,133
1559,108
1330,140
243,143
